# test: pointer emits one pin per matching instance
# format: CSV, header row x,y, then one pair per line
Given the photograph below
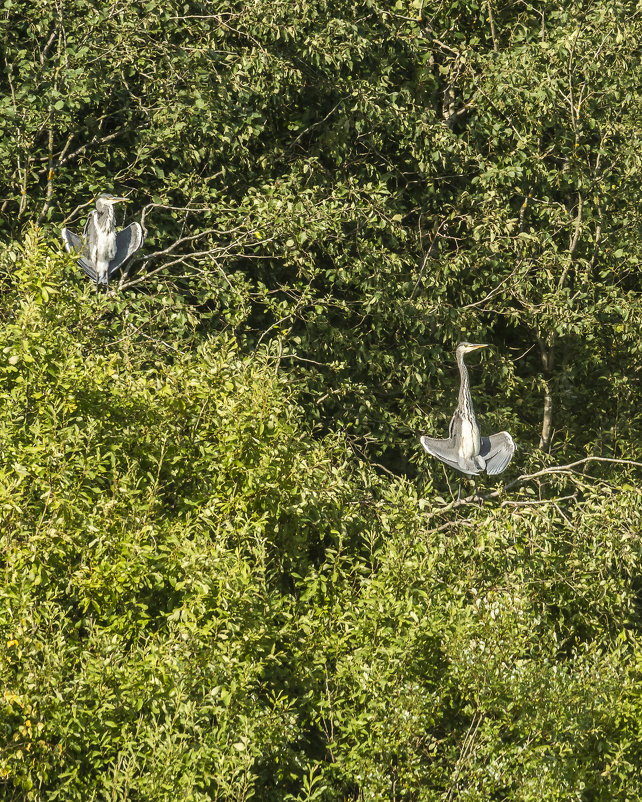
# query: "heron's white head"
x,y
106,199
466,348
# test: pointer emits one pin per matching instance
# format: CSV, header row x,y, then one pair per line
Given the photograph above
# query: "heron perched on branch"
x,y
465,449
102,249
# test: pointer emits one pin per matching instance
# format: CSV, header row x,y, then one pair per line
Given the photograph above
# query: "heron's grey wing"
x,y
89,234
497,450
72,242
74,245
442,449
454,428
128,241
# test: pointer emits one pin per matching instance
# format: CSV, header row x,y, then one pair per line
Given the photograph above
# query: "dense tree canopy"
x,y
229,571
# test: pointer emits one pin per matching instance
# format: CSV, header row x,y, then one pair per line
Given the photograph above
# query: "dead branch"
x,y
181,241
496,289
96,140
576,230
50,177
319,122
47,47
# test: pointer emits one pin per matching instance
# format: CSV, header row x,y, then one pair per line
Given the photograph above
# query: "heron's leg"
x,y
477,496
459,490
450,490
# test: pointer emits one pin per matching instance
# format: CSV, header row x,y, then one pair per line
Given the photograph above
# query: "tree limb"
x,y
493,31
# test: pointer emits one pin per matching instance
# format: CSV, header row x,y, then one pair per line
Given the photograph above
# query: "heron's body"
x,y
100,239
469,440
103,250
465,449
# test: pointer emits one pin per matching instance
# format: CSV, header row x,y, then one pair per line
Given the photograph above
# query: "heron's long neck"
x,y
465,400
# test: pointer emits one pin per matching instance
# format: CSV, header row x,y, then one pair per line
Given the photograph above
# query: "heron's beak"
x,y
119,200
478,346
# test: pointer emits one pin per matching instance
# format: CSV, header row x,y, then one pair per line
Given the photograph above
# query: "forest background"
x,y
229,570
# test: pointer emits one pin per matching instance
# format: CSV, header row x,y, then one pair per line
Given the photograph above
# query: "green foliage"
x,y
203,599
228,571
365,185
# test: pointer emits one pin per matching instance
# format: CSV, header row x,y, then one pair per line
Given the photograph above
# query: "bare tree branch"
x,y
319,122
47,47
576,230
96,140
495,289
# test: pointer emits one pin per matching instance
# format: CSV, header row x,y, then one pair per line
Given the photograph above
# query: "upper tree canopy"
x,y
206,592
365,185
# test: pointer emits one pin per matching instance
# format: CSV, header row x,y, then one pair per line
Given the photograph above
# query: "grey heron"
x,y
102,249
465,449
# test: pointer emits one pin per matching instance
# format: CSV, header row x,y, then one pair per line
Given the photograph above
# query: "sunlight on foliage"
x,y
229,571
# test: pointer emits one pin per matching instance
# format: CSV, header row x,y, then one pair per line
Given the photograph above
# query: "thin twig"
x,y
510,503
496,289
319,122
433,242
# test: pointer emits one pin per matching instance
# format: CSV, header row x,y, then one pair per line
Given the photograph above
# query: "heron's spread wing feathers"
x,y
128,241
89,233
442,449
74,245
497,450
88,269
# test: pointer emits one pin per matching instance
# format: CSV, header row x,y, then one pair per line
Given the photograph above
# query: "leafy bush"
x,y
203,599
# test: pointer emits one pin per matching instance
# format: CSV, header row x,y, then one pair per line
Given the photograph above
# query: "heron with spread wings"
x,y
103,250
465,449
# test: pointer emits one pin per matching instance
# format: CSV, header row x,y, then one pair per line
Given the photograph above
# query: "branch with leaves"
x,y
553,470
